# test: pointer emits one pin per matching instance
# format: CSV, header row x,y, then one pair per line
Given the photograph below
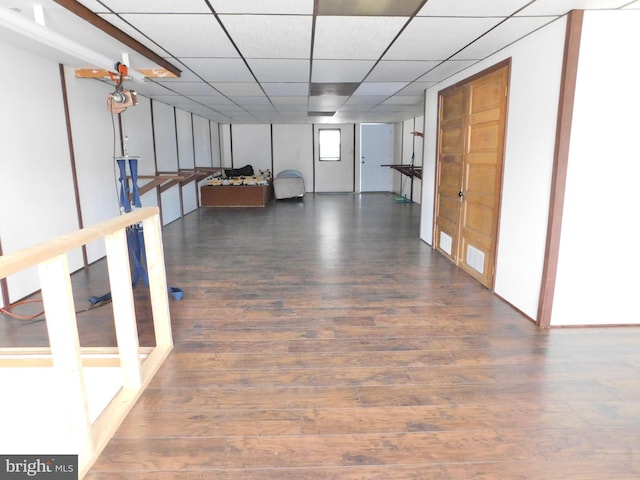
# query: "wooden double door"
x,y
472,119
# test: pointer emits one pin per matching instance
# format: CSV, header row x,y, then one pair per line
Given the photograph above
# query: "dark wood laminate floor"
x,y
321,339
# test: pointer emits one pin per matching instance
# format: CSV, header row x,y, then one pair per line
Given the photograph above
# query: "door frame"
x,y
496,233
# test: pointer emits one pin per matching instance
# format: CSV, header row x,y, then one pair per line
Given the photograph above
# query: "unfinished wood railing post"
x,y
124,313
157,281
57,298
136,365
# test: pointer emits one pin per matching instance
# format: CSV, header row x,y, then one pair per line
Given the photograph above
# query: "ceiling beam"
x,y
100,23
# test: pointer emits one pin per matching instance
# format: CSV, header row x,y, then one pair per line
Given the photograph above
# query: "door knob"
x,y
461,193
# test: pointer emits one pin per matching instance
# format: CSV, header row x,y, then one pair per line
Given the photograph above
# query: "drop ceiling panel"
x,y
132,32
363,38
185,35
472,8
340,70
403,100
379,88
270,36
446,69
187,88
284,101
428,38
326,102
279,70
398,8
360,100
219,69
251,100
416,88
157,6
93,5
394,70
286,89
554,7
238,89
504,34
272,7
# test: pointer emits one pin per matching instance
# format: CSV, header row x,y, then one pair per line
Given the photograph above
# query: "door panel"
x,y
450,171
376,149
471,138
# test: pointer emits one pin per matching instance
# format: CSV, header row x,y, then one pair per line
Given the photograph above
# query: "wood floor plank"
x,y
323,340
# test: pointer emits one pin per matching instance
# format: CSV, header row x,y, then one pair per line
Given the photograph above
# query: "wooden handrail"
x,y
66,357
14,262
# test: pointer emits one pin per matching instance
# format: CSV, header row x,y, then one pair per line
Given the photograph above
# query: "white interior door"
x,y
376,149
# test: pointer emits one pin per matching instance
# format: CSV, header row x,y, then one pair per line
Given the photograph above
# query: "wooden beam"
x,y
560,165
16,261
100,23
104,74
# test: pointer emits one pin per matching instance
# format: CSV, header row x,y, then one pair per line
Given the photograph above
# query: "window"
x,y
329,144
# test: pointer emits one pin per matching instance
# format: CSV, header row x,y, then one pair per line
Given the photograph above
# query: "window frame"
x,y
327,158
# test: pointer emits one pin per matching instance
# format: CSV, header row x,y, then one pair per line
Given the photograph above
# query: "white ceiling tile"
x,y
504,34
253,100
404,100
472,8
284,101
416,88
93,5
292,108
273,7
359,100
379,88
326,102
337,71
212,101
362,38
395,70
188,88
157,6
279,70
427,38
286,89
270,36
129,30
238,89
185,35
219,69
149,88
445,70
554,7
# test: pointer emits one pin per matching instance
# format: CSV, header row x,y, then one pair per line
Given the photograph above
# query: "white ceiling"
x,y
253,61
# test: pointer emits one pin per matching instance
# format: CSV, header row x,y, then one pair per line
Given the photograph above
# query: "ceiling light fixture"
x,y
34,31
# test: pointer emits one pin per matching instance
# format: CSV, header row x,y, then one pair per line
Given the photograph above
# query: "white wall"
x,y
293,149
96,141
164,124
412,151
184,139
529,150
202,142
336,176
37,199
597,278
137,128
251,145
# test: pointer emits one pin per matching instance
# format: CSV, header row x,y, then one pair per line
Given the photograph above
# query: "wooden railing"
x,y
65,356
